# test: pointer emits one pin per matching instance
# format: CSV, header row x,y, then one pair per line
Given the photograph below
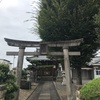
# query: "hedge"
x,y
91,90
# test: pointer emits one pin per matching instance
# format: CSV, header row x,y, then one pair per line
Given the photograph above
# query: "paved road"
x,y
45,91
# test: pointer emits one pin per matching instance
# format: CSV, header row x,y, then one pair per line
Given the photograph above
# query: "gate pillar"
x,y
67,73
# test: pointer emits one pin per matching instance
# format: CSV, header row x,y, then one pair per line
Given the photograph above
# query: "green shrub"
x,y
24,74
91,90
9,80
4,69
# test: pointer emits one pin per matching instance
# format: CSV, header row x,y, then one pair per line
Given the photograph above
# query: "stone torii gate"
x,y
64,44
22,45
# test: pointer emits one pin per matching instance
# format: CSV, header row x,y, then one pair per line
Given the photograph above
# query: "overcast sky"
x,y
14,25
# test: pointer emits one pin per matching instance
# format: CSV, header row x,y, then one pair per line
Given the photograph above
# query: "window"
x,y
97,72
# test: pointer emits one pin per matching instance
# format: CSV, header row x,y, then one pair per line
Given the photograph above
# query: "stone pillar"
x,y
20,64
64,78
78,95
67,73
59,73
28,76
19,68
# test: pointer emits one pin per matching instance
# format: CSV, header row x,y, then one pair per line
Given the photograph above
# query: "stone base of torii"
x,y
44,50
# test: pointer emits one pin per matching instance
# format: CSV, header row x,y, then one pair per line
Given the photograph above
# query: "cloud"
x,y
13,14
13,19
10,3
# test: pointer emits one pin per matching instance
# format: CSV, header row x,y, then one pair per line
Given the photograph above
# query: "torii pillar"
x,y
22,45
67,73
20,64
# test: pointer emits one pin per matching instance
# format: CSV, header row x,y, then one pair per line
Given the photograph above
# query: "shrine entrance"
x,y
47,71
63,44
45,66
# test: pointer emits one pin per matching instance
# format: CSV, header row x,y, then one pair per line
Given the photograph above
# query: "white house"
x,y
95,63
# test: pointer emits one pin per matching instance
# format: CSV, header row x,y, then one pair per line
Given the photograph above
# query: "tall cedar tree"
x,y
61,20
98,28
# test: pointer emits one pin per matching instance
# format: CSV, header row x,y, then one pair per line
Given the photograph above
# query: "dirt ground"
x,y
24,94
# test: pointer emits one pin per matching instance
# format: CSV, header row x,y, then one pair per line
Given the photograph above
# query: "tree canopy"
x,y
70,19
98,23
9,80
61,20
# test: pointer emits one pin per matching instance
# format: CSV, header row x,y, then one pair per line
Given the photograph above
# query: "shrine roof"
x,y
38,58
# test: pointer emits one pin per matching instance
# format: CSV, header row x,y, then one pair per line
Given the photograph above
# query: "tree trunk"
x,y
78,76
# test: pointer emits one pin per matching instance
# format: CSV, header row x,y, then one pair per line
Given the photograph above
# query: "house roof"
x,y
95,61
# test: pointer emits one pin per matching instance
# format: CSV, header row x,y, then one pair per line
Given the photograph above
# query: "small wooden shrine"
x,y
44,65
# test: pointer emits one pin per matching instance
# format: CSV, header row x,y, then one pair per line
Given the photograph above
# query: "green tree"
x,y
9,80
67,20
98,23
52,20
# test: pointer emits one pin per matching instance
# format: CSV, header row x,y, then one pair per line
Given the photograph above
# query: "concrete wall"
x,y
86,74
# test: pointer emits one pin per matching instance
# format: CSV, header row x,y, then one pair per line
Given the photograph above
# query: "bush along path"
x,y
7,79
91,90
